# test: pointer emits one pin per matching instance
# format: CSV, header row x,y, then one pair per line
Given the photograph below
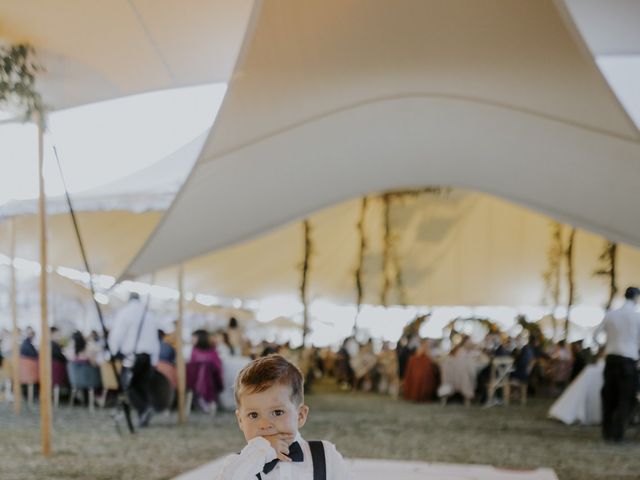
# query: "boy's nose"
x,y
264,425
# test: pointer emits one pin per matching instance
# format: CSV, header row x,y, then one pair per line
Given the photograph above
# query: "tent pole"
x,y
180,365
45,343
15,338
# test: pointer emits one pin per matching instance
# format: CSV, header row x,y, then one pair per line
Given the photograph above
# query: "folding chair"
x,y
501,368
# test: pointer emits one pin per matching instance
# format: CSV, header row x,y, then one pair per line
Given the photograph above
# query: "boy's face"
x,y
270,412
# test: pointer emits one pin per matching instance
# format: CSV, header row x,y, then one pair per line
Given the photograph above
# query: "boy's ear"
x,y
238,417
303,412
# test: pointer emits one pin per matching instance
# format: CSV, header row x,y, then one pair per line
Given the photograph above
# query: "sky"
x,y
101,142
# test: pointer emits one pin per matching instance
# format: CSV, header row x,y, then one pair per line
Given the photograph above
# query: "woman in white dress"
x,y
580,402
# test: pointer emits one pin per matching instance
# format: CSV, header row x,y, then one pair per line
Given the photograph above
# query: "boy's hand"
x,y
280,443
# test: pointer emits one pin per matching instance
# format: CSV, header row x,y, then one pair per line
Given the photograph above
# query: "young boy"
x,y
270,400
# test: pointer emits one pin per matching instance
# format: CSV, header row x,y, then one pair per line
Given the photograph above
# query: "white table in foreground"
x,y
383,469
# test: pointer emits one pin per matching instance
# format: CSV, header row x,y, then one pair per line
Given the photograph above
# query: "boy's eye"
x,y
278,413
253,415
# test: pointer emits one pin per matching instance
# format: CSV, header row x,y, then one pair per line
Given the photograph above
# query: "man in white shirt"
x,y
134,337
622,327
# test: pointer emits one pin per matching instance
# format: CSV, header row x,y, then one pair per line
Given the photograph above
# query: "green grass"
x,y
361,425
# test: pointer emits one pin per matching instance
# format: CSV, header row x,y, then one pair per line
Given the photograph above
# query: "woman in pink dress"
x,y
204,372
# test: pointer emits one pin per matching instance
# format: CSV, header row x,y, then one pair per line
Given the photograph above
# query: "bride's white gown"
x,y
581,401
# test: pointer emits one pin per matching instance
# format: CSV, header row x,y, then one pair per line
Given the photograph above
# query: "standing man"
x,y
622,327
134,338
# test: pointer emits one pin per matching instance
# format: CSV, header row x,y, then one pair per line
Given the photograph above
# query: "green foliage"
x,y
531,327
551,275
17,80
607,269
413,327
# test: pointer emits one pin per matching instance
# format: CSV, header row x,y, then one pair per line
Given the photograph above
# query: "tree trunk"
x,y
359,268
613,287
303,286
386,254
570,280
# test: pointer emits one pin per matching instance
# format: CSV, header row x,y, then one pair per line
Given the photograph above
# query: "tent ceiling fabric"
x,y
110,238
458,248
495,96
96,51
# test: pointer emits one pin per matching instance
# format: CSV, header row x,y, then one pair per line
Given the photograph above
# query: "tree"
x,y
608,269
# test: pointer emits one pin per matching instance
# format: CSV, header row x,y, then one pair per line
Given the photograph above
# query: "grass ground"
x,y
361,425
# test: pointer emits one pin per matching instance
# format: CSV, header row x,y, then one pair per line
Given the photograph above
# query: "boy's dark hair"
x,y
265,372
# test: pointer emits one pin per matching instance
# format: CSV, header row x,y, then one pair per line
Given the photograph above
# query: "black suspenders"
x,y
319,462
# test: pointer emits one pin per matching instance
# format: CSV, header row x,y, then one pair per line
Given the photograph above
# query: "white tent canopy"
x,y
95,51
333,100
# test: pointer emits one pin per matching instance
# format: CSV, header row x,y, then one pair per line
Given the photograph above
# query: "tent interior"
x,y
386,161
445,248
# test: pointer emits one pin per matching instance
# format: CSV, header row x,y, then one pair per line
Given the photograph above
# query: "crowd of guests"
x,y
415,368
420,369
204,357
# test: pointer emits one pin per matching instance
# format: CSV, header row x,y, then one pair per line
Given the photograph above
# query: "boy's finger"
x,y
283,457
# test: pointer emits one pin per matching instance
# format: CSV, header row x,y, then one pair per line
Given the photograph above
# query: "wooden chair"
x,y
109,380
522,386
29,375
501,368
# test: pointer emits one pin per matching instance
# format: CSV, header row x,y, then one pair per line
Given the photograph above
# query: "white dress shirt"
x,y
251,460
122,337
622,327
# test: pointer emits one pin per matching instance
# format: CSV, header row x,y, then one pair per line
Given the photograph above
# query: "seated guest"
x,y
460,370
95,347
56,348
27,349
388,367
524,358
204,372
561,365
84,374
167,352
78,350
342,366
419,384
404,350
363,365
